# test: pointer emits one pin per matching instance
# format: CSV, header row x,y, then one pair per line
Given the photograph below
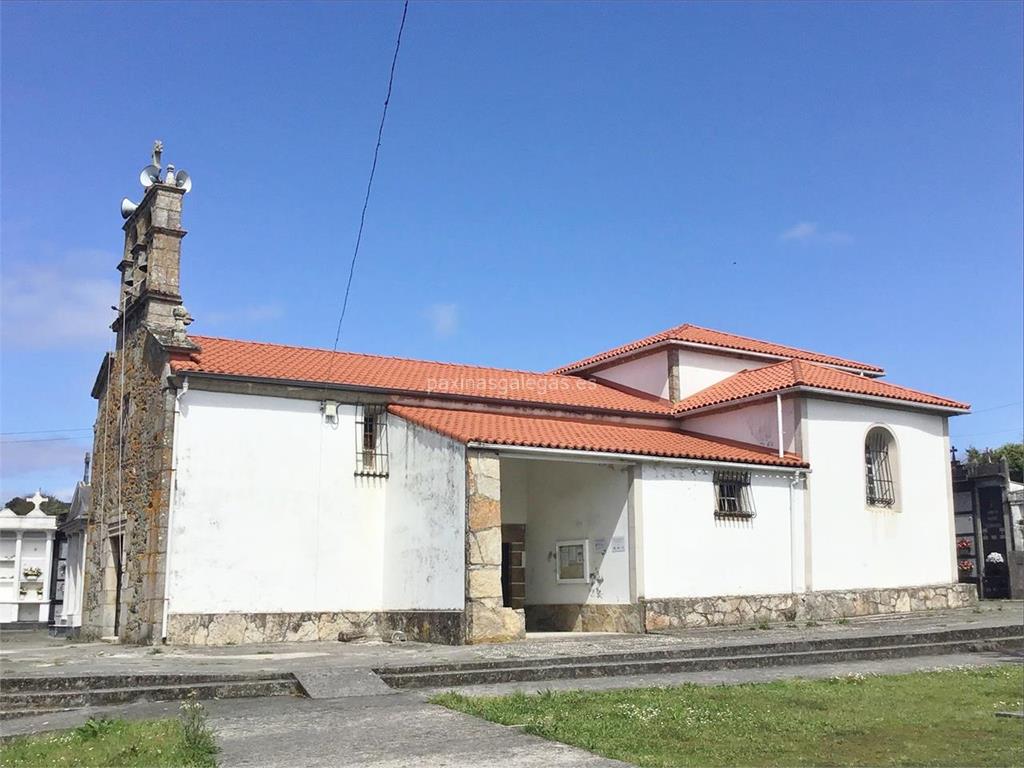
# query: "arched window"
x,y
880,467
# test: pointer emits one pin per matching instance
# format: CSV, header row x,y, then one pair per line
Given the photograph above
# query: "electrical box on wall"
x,y
330,411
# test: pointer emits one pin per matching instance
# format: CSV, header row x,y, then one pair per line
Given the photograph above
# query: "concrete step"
x,y
832,650
53,683
105,690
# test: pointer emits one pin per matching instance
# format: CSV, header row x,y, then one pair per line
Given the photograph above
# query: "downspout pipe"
x,y
793,482
170,507
778,421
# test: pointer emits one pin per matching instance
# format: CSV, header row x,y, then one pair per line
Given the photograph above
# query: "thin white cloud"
x,y
810,232
805,230
58,303
444,319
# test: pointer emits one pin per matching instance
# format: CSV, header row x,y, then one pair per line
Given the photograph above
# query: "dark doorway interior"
x,y
115,553
513,566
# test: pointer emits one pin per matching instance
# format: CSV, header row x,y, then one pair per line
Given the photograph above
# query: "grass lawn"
x,y
928,718
112,744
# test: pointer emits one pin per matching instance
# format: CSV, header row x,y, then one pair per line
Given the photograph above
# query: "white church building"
x,y
253,492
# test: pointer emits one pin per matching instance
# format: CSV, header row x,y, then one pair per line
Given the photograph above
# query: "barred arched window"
x,y
880,467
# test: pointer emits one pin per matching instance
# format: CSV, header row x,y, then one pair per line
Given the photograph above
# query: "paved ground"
x,y
403,729
36,654
359,721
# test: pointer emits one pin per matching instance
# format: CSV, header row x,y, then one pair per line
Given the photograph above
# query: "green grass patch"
x,y
104,743
942,718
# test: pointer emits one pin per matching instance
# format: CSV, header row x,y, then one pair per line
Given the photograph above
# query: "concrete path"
x,y
383,732
353,719
403,729
31,654
373,731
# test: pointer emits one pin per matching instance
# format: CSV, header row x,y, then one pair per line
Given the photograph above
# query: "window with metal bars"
x,y
732,489
372,440
878,470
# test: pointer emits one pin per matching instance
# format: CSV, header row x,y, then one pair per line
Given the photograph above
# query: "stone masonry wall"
x,y
487,620
595,617
237,628
139,478
680,613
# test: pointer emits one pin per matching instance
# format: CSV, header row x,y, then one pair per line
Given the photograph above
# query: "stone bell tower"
x,y
151,265
132,479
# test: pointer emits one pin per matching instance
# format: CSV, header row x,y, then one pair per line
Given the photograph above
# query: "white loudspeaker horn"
x,y
127,208
182,180
150,175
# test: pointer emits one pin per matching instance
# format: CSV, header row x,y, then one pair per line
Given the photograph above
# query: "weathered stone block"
x,y
483,547
484,581
484,513
494,625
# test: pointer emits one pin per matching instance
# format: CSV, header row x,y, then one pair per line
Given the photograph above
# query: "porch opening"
x,y
566,552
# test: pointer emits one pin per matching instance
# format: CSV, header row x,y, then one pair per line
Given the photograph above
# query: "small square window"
x,y
573,562
732,490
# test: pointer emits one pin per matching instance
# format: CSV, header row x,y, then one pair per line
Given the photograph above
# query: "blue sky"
x,y
555,179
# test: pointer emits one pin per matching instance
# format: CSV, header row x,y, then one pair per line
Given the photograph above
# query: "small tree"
x,y
52,506
1012,452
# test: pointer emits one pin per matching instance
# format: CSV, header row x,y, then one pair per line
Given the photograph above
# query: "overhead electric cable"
x,y
369,183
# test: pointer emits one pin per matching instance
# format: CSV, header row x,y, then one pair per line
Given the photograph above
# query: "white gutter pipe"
x,y
778,418
793,546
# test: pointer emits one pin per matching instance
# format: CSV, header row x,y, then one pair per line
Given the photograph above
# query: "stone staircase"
x,y
741,656
21,696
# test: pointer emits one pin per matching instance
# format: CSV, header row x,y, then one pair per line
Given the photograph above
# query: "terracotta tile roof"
x,y
799,373
583,435
694,334
250,359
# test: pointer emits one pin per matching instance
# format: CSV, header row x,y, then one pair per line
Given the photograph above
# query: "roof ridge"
x,y
725,339
544,417
503,428
798,370
858,363
802,374
199,337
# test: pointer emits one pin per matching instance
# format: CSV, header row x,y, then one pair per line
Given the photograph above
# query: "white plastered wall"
x,y
856,546
699,370
756,424
689,552
568,501
425,522
268,516
647,374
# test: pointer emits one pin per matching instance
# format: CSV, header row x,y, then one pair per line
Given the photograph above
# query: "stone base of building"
x,y
444,627
679,613
585,618
487,621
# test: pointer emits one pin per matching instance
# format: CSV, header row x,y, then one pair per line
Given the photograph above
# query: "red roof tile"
x,y
257,360
583,435
798,373
693,334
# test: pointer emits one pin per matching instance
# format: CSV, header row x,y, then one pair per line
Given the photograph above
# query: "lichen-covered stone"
x,y
238,628
493,624
595,617
664,614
